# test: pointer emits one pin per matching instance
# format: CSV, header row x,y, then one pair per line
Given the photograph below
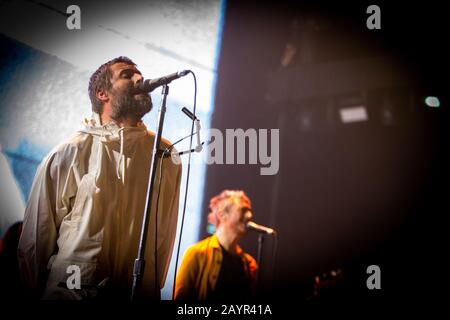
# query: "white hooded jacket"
x,y
86,207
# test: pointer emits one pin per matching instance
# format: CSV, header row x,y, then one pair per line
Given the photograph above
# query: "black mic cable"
x,y
186,188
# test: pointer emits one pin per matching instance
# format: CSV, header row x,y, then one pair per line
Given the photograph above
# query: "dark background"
x,y
346,195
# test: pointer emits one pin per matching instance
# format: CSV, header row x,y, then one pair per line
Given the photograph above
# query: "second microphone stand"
x,y
259,258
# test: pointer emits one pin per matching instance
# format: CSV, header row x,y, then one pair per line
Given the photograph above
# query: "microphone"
x,y
151,84
196,120
189,113
259,228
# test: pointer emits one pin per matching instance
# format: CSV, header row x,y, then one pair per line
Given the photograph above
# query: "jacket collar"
x,y
111,131
216,245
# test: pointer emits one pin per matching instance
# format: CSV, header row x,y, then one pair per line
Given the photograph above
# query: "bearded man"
x,y
83,219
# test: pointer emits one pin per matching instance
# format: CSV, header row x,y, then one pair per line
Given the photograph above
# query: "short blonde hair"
x,y
222,202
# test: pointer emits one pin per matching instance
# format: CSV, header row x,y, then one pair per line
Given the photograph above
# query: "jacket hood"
x,y
112,132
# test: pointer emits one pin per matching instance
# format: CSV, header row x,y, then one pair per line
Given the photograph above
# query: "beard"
x,y
127,104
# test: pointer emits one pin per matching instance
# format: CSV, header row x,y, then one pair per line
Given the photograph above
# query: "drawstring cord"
x,y
121,164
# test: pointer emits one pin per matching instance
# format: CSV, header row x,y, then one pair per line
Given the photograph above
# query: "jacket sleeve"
x,y
48,203
185,281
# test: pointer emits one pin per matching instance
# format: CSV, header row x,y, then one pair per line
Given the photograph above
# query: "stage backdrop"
x,y
45,68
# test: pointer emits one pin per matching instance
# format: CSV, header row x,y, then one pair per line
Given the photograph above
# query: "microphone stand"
x,y
259,258
139,263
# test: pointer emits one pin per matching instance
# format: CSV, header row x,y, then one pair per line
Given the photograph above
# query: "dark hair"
x,y
101,80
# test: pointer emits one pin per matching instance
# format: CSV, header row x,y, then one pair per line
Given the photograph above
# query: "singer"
x,y
83,219
216,268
